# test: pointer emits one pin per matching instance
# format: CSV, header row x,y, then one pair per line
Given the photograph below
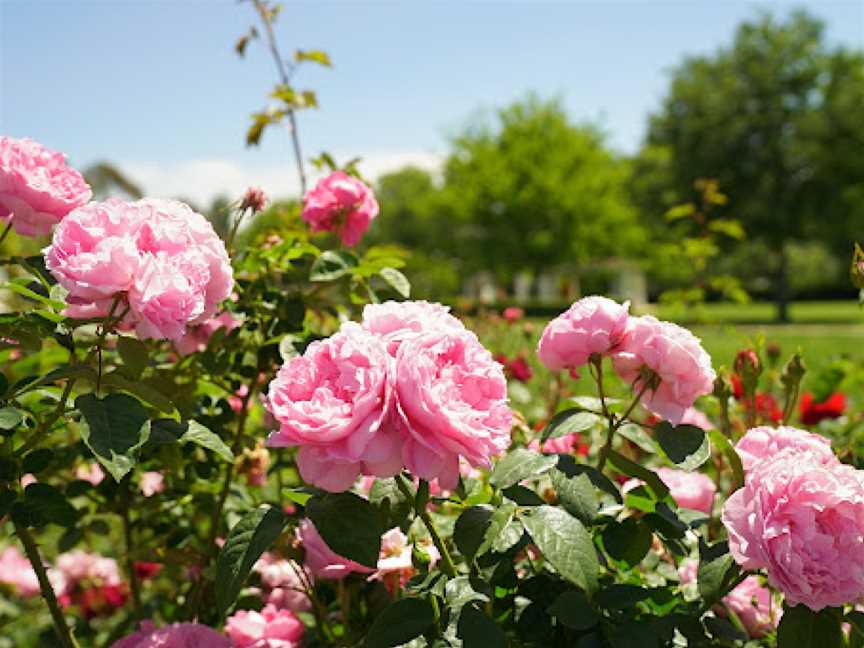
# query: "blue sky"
x,y
156,86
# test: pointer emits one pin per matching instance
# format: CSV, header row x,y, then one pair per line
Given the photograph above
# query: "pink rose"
x,y
285,588
751,602
332,402
196,337
693,416
152,482
803,522
513,314
321,560
177,635
396,557
342,204
163,261
16,571
78,565
677,358
91,472
451,402
396,322
591,325
269,628
37,188
691,490
764,442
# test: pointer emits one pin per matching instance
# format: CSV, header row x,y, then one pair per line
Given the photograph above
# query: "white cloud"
x,y
202,180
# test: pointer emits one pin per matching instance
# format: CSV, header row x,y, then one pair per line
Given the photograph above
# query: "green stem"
x,y
615,424
446,561
6,231
134,585
32,551
45,426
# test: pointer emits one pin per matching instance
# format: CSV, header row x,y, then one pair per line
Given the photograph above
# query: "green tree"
x,y
534,190
775,118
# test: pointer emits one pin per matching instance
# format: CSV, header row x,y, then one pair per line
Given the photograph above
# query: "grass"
x,y
821,312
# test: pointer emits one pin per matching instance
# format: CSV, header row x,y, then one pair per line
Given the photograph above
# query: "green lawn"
x,y
822,312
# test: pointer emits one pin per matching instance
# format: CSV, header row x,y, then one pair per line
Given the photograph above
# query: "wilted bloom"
x,y
831,408
152,482
591,325
321,560
254,199
253,464
803,522
451,402
332,402
161,263
341,204
676,359
177,635
269,628
764,442
37,188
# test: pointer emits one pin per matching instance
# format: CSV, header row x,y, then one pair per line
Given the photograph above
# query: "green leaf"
x,y
503,531
577,495
397,281
570,421
349,525
114,428
391,503
316,56
332,265
684,445
470,529
476,630
37,461
719,439
134,354
627,541
10,418
801,627
400,622
565,543
639,436
717,569
141,390
206,438
630,468
571,468
855,619
47,505
297,495
573,610
520,464
248,539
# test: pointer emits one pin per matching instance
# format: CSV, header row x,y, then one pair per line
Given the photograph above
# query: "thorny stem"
x,y
32,551
285,77
446,561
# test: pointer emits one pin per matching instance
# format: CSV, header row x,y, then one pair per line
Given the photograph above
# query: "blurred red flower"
x,y
831,408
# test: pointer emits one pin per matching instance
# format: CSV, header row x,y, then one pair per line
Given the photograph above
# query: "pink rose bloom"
x,y
395,557
559,445
513,314
162,259
396,322
235,401
284,587
91,472
152,482
764,442
693,416
15,570
675,355
196,337
751,602
342,204
177,635
27,479
693,490
332,402
591,325
321,561
803,522
37,187
688,570
269,628
79,565
451,403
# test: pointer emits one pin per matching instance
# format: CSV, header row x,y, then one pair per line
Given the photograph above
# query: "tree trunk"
x,y
782,287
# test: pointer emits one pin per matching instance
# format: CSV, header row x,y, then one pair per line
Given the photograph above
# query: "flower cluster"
x,y
662,359
37,188
409,387
176,635
269,628
799,516
156,262
341,204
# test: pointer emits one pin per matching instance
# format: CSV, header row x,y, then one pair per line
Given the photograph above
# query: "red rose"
x,y
831,408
